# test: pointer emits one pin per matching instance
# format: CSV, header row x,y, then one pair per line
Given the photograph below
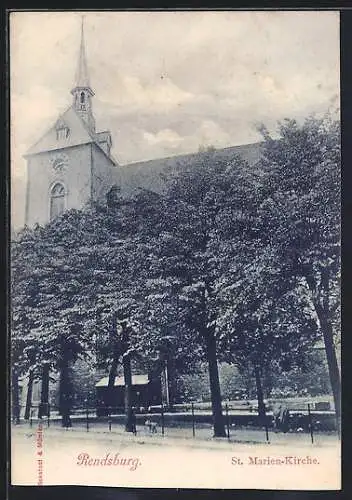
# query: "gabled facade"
x,y
71,164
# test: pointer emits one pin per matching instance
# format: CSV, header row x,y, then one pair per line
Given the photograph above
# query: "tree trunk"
x,y
113,368
171,376
127,373
27,412
260,396
333,367
323,313
218,419
44,396
111,383
112,373
268,382
165,384
65,403
16,409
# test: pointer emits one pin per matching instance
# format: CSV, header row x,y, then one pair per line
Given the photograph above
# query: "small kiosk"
x,y
145,393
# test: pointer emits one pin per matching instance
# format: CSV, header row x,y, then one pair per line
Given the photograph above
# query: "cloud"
x,y
168,142
166,137
167,82
211,133
163,93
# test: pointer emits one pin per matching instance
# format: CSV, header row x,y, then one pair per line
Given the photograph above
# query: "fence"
x,y
241,425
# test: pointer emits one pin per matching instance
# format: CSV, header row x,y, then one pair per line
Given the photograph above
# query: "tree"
x,y
89,274
189,244
312,378
140,294
265,320
232,381
85,375
23,351
301,217
51,307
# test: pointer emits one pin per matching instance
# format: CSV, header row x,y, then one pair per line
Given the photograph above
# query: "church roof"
x,y
78,133
149,174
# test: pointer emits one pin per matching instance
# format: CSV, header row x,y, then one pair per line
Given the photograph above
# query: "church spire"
x,y
82,91
82,76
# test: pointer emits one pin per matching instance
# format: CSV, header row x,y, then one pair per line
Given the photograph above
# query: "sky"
x,y
167,83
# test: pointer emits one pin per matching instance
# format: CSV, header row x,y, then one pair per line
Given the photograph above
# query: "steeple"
x,y
82,92
82,77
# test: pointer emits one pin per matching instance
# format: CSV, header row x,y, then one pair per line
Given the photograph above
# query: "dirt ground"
x,y
115,458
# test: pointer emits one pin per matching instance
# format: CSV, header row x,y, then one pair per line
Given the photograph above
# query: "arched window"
x,y
57,200
82,97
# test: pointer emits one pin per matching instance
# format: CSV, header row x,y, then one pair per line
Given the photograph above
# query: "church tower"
x,y
71,165
82,91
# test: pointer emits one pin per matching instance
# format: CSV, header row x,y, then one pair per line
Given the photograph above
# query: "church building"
x,y
72,163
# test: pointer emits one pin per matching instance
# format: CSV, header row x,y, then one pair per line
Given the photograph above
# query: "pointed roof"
x,y
78,133
82,75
